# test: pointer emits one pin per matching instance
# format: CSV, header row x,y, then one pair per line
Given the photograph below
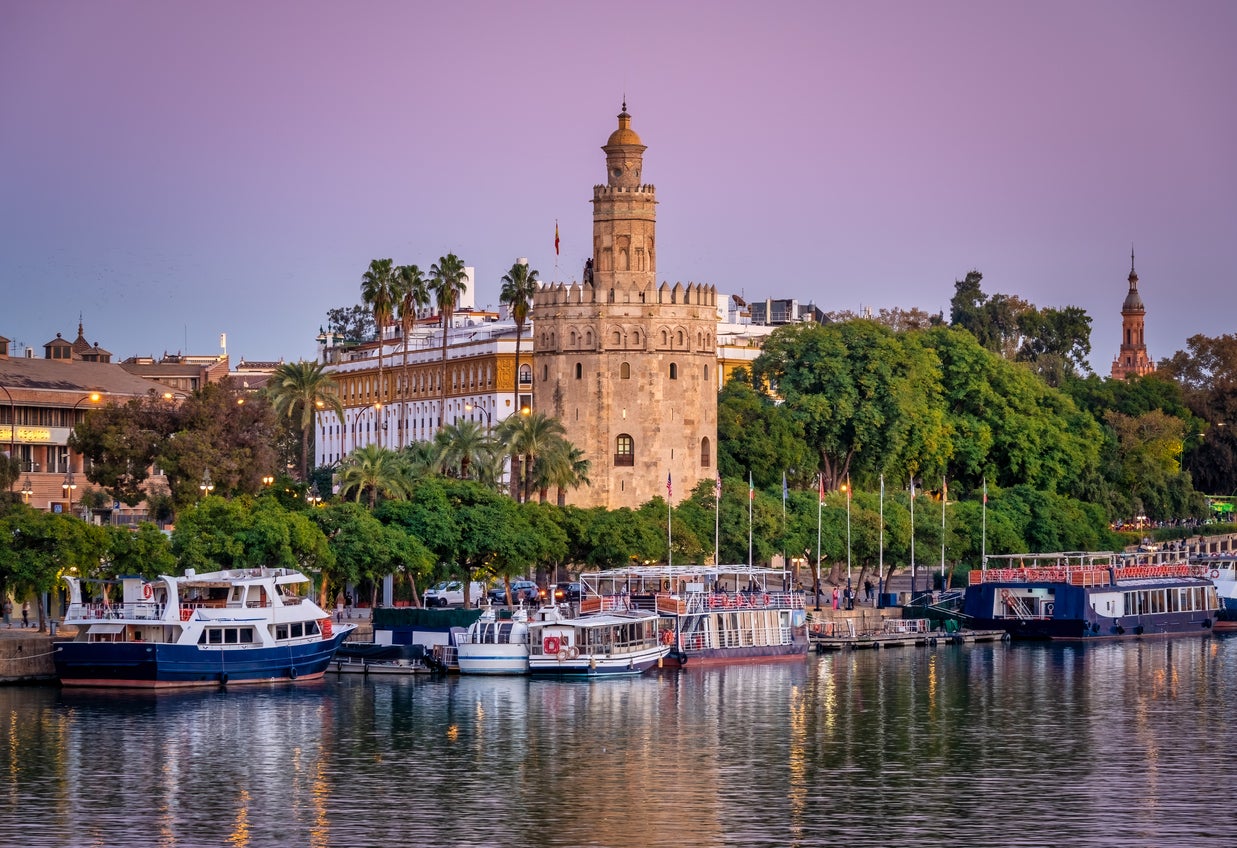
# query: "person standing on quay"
x,y
25,614
8,613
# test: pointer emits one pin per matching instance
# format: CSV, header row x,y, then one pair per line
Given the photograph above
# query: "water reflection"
x,y
1021,745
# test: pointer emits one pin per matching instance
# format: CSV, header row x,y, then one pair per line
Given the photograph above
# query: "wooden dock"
x,y
840,634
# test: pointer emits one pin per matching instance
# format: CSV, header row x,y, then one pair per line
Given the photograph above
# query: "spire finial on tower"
x,y
1131,257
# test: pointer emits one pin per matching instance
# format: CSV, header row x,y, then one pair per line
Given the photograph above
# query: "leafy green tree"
x,y
519,286
622,536
1056,342
354,323
364,550
146,551
429,517
754,434
448,281
122,443
996,321
41,547
378,291
298,391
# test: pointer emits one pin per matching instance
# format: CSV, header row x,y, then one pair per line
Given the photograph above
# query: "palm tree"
x,y
464,446
519,286
376,470
411,294
531,436
304,388
448,280
377,291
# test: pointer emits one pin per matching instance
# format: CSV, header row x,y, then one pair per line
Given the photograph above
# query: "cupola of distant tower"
x,y
1132,360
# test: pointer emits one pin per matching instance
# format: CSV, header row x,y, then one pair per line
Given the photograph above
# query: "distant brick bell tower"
x,y
629,366
1132,360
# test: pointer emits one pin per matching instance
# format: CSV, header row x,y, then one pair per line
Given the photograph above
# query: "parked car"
x,y
521,590
570,592
450,592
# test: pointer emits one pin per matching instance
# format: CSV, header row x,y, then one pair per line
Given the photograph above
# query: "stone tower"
x,y
1132,360
627,365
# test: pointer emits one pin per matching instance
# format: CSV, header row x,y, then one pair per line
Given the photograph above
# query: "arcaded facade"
x,y
629,365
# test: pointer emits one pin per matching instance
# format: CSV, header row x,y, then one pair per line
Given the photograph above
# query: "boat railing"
x,y
95,612
1086,575
907,625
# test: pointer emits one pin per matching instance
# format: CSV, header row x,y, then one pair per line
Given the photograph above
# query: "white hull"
x,y
492,659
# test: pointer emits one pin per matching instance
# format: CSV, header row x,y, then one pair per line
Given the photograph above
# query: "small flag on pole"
x,y
717,488
556,237
820,483
751,490
985,490
669,487
785,490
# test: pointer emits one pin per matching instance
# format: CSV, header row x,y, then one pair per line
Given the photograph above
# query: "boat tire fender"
x,y
876,644
932,642
1206,623
1005,637
292,672
223,679
1120,630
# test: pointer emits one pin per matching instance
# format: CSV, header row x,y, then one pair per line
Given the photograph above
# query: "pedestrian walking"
x,y
867,590
8,613
25,614
835,597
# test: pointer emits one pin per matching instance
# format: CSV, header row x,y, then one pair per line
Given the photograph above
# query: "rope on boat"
x,y
30,656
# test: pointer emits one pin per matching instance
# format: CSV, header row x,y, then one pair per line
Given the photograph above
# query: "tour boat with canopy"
x,y
1091,596
496,643
245,625
611,640
711,614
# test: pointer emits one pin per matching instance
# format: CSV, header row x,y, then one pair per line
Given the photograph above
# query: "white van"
x,y
451,593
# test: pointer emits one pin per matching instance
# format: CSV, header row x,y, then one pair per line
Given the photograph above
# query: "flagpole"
x,y
669,539
556,250
848,531
751,494
880,556
912,538
983,534
944,497
717,523
820,504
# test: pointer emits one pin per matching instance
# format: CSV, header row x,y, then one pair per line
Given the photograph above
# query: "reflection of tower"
x,y
625,364
1132,360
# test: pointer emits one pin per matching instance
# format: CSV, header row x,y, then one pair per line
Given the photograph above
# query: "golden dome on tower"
x,y
624,134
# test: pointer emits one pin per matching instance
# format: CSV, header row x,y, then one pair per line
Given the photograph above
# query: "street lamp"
x,y
314,498
69,485
268,479
489,419
206,485
12,426
846,489
27,490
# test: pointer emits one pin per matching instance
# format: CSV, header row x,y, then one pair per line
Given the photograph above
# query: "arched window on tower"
x,y
624,450
625,371
579,370
706,458
674,371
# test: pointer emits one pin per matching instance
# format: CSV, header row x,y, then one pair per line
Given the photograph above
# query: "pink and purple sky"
x,y
173,170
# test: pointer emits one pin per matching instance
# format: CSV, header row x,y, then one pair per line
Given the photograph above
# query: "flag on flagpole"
x,y
717,488
848,488
820,484
751,490
785,491
556,237
669,487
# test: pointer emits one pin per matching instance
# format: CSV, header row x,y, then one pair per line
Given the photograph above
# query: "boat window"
x,y
214,636
281,631
311,628
297,629
230,636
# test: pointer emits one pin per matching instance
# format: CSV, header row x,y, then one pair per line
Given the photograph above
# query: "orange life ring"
x,y
1214,574
186,613
667,637
550,644
147,592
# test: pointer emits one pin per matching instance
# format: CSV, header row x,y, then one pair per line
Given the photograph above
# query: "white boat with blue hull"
x,y
1087,596
1221,569
221,628
613,641
496,643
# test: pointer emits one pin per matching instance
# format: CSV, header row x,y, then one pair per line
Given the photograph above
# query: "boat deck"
x,y
895,633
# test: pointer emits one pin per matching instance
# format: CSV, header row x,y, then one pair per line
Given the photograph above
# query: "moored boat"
x,y
225,627
611,641
496,643
1090,596
711,614
1221,569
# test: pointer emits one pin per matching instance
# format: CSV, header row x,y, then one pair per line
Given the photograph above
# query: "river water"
x,y
1011,745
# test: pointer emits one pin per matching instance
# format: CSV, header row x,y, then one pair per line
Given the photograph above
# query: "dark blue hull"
x,y
157,666
1065,611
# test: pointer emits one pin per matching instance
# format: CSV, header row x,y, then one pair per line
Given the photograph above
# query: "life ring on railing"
x,y
667,637
766,599
563,655
573,652
1214,574
186,613
147,591
550,645
665,585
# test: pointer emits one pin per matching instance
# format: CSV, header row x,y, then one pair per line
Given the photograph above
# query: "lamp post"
x,y
27,490
489,419
268,480
206,485
69,485
12,426
314,497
